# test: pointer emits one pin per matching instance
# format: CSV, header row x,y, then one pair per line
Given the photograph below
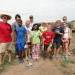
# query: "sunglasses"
x,y
5,17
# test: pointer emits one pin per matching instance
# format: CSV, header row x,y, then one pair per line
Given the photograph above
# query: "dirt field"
x,y
45,67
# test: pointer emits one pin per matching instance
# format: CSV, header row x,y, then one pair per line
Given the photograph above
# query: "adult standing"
x,y
65,21
21,38
68,24
31,19
14,25
5,37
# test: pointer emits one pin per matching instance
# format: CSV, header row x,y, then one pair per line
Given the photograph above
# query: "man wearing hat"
x,y
5,37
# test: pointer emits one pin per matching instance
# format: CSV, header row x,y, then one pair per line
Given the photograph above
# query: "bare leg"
x,y
1,57
10,55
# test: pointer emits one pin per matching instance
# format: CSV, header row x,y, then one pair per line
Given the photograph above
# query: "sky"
x,y
42,10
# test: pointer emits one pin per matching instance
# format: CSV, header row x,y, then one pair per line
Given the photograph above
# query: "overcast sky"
x,y
42,10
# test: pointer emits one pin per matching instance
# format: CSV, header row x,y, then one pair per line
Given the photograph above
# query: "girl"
x,y
48,37
35,40
43,27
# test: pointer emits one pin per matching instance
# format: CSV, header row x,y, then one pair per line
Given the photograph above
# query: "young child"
x,y
21,35
66,37
35,40
48,37
43,27
59,31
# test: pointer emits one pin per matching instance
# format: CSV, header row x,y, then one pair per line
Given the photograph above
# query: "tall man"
x,y
14,25
5,37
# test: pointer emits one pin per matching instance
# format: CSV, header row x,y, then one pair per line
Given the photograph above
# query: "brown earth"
x,y
44,67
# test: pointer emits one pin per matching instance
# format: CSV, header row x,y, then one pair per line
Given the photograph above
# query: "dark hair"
x,y
17,15
31,17
35,25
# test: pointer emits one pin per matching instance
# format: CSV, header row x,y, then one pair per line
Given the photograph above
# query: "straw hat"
x,y
5,15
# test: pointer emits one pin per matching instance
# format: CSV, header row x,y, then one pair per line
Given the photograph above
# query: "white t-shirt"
x,y
28,33
67,34
31,25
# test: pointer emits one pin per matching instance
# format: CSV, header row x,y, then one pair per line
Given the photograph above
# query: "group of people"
x,y
31,40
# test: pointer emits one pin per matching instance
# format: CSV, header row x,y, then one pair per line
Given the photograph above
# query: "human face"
x,y
5,19
18,19
20,23
65,19
27,23
31,19
58,23
49,27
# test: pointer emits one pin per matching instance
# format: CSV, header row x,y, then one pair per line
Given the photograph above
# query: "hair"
x,y
17,15
31,17
35,25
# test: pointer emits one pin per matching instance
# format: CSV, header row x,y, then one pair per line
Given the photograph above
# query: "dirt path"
x,y
43,67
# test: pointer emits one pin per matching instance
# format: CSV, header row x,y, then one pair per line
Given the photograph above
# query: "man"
x,y
21,37
14,25
5,37
31,19
65,21
69,25
17,18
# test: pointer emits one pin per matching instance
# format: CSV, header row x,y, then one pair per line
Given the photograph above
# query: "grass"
x,y
6,64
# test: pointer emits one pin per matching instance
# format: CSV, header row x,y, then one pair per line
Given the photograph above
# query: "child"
x,y
43,27
48,37
66,37
35,40
59,31
28,43
21,35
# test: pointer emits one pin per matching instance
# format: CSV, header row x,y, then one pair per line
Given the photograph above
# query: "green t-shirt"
x,y
35,37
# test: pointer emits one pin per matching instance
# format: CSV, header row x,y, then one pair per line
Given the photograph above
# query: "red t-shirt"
x,y
5,32
48,36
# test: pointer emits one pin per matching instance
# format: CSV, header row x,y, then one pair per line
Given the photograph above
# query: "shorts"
x,y
20,46
48,46
57,43
5,47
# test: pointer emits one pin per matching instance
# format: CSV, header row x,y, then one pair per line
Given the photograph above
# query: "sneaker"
x,y
29,64
21,61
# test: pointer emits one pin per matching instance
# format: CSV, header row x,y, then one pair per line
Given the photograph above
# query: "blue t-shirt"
x,y
21,33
